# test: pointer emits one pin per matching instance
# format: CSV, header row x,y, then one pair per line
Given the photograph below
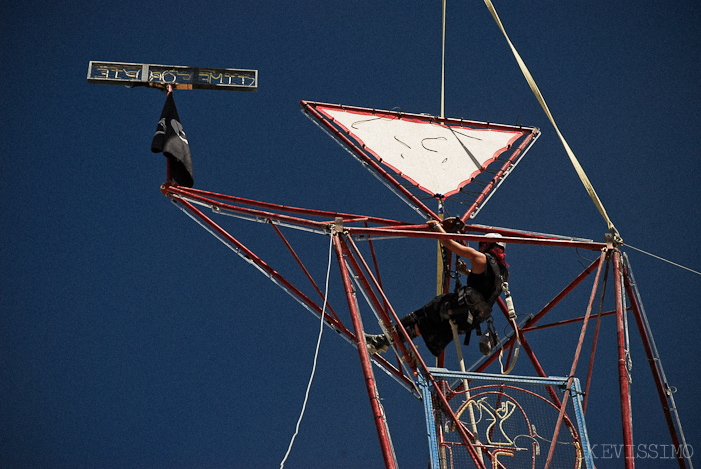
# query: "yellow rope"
x,y
580,171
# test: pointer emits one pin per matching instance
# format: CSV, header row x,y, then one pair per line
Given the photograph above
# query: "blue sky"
x,y
131,338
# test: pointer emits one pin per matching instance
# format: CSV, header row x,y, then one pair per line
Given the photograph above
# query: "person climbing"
x,y
469,306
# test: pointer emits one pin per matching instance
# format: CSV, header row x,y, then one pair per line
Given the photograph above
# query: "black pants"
x,y
434,326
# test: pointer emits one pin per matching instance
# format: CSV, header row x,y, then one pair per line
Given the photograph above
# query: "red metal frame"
x,y
345,227
654,363
371,386
626,413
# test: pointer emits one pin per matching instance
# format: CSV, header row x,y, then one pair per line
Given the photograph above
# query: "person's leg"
x,y
379,343
427,318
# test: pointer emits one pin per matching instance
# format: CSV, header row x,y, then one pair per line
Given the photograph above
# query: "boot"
x,y
376,343
379,343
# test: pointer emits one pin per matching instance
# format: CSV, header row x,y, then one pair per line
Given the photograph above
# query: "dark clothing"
x,y
433,319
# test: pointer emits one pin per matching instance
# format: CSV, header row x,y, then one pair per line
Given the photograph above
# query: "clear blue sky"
x,y
129,337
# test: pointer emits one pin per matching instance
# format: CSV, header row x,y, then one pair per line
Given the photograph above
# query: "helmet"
x,y
496,235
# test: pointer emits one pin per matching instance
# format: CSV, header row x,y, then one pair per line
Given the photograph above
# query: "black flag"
x,y
170,140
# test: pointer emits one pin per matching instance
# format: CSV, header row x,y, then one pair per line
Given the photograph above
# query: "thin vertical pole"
x,y
626,416
439,270
466,386
443,66
169,176
378,414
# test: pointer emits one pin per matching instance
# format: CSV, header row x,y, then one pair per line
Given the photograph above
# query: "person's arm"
x,y
478,261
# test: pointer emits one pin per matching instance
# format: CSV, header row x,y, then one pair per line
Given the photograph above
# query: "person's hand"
x,y
435,225
462,267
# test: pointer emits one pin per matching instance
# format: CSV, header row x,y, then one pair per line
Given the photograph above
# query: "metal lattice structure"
x,y
464,420
360,272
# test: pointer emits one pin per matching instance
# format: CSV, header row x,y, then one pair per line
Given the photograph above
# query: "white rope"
x,y
316,355
466,385
662,259
515,356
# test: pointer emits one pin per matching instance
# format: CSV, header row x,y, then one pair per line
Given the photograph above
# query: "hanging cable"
x,y
316,355
662,259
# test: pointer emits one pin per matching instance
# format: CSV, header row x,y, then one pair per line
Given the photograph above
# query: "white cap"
x,y
496,235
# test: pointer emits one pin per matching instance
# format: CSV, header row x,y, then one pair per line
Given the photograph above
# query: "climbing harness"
x,y
472,307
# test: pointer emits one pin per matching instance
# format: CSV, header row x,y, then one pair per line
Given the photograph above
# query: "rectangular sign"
x,y
179,77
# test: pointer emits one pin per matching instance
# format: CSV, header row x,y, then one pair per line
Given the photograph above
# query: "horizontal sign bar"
x,y
179,77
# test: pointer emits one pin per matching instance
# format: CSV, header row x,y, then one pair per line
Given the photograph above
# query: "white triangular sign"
x,y
438,158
